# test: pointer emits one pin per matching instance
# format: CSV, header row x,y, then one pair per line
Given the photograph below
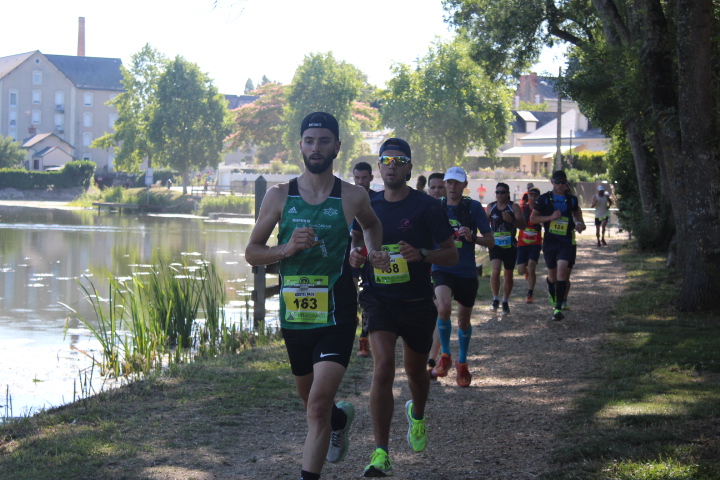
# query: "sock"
x,y
496,297
309,475
444,329
415,417
464,343
551,288
504,300
530,292
384,447
338,419
560,288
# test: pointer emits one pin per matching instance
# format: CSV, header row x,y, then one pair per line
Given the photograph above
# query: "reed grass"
x,y
149,320
226,204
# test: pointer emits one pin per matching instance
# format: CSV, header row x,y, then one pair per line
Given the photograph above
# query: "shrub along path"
x,y
238,417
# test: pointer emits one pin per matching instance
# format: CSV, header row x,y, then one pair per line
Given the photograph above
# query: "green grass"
x,y
653,408
226,204
121,433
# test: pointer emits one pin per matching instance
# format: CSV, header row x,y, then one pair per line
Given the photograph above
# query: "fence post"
x,y
259,271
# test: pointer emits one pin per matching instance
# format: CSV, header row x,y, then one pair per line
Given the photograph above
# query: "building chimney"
x,y
81,37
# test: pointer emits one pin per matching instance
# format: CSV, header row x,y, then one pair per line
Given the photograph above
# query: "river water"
x,y
44,253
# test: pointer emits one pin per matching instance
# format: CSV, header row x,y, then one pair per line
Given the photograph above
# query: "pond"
x,y
45,253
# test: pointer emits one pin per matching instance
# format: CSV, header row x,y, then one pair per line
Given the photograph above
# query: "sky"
x,y
233,40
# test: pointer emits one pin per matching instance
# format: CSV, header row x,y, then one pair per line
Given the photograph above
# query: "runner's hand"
x,y
379,259
357,257
409,253
301,239
555,215
466,233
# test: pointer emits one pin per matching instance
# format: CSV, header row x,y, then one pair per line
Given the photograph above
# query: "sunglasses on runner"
x,y
384,160
501,192
560,182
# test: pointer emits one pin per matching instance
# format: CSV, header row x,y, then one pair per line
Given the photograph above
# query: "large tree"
x,y
322,83
189,122
134,105
259,124
445,105
667,53
11,155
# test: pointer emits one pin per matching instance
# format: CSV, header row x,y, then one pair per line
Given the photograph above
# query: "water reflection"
x,y
43,254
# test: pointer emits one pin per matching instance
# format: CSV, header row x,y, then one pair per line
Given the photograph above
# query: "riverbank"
x,y
55,198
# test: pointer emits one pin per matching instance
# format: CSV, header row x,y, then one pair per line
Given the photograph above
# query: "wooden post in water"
x,y
259,271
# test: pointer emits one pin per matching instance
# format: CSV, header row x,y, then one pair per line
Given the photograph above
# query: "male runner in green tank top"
x,y
318,301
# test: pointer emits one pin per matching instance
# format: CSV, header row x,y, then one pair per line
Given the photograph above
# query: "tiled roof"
x,y
97,73
8,64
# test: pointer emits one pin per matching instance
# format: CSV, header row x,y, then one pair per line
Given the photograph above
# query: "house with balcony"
x,y
62,95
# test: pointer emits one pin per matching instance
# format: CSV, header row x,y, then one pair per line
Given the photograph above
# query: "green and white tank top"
x,y
316,282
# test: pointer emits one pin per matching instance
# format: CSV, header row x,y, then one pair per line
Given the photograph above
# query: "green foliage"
x,y
322,83
11,155
77,173
189,121
73,174
135,105
533,107
652,394
260,123
589,161
226,204
249,86
446,105
633,219
160,311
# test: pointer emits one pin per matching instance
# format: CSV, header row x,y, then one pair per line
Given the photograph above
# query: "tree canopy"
x,y
645,70
189,121
445,105
134,105
322,83
11,155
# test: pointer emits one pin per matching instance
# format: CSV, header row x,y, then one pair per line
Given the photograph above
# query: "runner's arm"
x,y
519,221
257,251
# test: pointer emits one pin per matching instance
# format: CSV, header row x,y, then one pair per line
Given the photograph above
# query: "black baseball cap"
x,y
559,175
320,120
395,144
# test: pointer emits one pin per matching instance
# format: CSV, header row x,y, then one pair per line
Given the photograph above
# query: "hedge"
x,y
73,174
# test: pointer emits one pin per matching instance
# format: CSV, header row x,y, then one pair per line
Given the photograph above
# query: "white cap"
x,y
600,187
455,173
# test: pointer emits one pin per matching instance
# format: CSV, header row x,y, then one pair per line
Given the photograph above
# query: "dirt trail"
x,y
527,372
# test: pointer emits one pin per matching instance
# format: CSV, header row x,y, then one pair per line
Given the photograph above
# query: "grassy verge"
x,y
170,201
653,408
121,433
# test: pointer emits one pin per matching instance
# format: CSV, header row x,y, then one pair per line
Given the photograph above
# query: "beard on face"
x,y
319,168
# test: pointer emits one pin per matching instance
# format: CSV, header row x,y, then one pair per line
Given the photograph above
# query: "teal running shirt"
x,y
316,282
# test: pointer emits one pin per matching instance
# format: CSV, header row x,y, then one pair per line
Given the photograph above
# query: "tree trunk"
x,y
698,126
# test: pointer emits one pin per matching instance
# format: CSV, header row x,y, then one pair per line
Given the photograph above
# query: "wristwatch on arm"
x,y
423,254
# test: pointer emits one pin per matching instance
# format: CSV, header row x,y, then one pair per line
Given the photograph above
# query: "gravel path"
x,y
527,372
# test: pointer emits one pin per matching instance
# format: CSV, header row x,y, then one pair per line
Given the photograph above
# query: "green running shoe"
x,y
558,315
417,435
565,305
380,465
339,441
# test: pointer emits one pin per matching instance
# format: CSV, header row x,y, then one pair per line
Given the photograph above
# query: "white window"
x,y
59,122
112,118
87,139
13,98
36,97
88,99
13,118
87,119
111,162
37,77
36,117
13,134
59,101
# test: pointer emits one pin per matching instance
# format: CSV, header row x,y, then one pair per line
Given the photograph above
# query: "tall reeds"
x,y
148,320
